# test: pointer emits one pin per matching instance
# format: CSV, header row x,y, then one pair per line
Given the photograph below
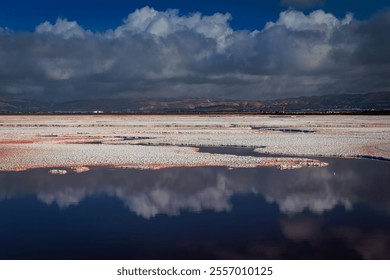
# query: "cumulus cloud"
x,y
166,54
67,29
161,24
316,21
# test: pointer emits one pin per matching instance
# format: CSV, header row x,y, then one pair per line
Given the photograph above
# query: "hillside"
x,y
379,101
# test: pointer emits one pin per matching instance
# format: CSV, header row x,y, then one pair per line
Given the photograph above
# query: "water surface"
x,y
337,212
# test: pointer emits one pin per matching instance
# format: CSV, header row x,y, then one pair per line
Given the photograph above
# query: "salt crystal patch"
x,y
57,171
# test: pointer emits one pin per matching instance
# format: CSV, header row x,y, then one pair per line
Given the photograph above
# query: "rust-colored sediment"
x,y
16,142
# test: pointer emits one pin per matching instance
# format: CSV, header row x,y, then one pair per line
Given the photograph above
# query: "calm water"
x,y
338,212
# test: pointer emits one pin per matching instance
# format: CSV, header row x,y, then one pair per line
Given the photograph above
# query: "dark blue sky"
x,y
99,15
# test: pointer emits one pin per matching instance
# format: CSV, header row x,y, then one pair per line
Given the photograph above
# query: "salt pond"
x,y
334,212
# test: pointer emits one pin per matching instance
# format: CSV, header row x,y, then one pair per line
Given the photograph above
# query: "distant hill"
x,y
378,101
14,105
161,105
344,102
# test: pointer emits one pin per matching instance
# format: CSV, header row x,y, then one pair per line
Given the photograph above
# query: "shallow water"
x,y
337,212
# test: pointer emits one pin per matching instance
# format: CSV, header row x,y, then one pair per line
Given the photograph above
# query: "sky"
x,y
67,50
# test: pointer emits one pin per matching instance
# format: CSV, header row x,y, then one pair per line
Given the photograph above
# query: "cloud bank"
x,y
166,54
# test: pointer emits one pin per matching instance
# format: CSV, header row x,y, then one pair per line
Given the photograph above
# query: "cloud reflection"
x,y
306,226
170,191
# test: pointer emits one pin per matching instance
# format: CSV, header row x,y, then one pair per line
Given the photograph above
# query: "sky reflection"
x,y
336,212
169,191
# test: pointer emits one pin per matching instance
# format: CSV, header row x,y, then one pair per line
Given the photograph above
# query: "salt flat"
x,y
161,141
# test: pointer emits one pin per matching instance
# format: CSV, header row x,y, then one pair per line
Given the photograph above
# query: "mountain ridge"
x,y
375,101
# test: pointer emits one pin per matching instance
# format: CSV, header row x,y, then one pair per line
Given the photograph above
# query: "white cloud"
x,y
316,21
161,24
165,54
63,27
